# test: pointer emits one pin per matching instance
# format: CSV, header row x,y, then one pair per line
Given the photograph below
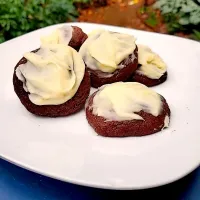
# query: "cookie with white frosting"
x,y
127,109
68,35
109,56
152,70
52,81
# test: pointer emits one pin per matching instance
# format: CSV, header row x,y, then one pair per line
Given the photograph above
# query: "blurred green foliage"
x,y
21,16
151,21
181,16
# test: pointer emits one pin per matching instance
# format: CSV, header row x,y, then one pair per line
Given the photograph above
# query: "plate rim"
x,y
91,184
82,182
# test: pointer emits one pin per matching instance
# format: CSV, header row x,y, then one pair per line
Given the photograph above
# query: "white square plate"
x,y
68,149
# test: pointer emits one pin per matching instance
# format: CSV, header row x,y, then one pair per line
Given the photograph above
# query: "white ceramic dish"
x,y
68,149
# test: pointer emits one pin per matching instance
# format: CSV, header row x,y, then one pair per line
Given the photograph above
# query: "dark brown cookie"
x,y
149,125
71,106
78,38
136,77
99,78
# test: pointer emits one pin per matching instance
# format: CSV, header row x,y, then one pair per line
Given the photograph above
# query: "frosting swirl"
x,y
105,50
52,75
152,65
61,35
122,101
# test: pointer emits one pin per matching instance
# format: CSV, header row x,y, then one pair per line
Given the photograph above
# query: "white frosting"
x,y
152,65
121,101
104,50
62,35
52,75
166,121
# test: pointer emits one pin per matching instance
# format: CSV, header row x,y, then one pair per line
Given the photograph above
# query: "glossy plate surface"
x,y
68,149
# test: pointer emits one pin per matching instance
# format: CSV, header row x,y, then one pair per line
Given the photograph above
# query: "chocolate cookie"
x,y
109,56
78,38
72,36
136,77
108,128
152,70
99,78
75,104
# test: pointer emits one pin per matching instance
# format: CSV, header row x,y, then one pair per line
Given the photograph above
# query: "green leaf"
x,y
197,34
143,9
195,17
184,20
2,38
151,21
